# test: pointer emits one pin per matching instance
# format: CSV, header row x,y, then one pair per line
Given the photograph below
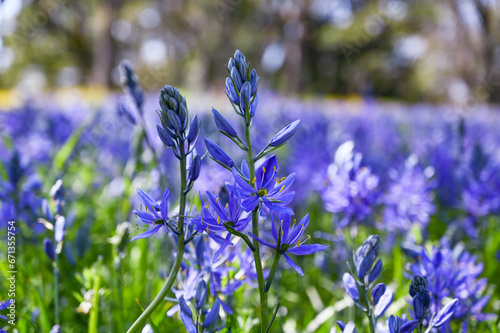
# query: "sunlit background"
x,y
416,51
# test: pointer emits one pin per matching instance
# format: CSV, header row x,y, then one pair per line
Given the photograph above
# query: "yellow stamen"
x,y
265,192
276,171
217,200
253,180
282,188
263,169
137,226
146,207
153,209
298,243
201,221
135,215
281,222
141,207
227,205
308,237
218,219
303,227
294,221
153,222
207,229
282,179
208,205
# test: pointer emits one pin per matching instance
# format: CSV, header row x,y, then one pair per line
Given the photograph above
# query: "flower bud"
x,y
223,125
375,273
194,169
201,293
245,96
165,137
213,314
418,307
285,134
48,247
194,129
218,154
350,286
377,292
231,93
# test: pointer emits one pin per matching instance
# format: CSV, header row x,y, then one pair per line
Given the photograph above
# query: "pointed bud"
x,y
231,93
254,81
48,247
350,286
245,95
285,134
212,315
377,292
218,154
165,137
194,169
201,293
375,273
223,125
194,129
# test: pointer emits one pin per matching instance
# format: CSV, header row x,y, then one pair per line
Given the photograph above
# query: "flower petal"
x,y
164,204
293,264
304,250
146,199
250,203
261,241
148,233
384,302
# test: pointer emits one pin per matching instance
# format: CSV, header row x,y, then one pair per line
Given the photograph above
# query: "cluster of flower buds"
x,y
210,316
54,221
367,273
174,131
241,86
365,257
130,84
421,297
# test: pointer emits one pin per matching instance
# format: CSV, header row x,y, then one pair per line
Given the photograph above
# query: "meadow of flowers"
x,y
252,213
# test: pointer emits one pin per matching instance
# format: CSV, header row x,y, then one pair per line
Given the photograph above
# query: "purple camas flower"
x,y
269,189
152,214
352,190
409,199
290,239
453,272
215,214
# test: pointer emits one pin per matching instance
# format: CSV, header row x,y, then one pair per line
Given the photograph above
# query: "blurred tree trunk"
x,y
103,47
490,18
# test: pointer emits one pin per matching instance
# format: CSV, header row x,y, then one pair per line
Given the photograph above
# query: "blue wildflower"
x,y
215,214
154,214
290,239
268,188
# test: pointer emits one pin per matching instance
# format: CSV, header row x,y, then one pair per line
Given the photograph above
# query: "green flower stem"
x,y
139,323
56,287
255,229
277,256
369,311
